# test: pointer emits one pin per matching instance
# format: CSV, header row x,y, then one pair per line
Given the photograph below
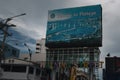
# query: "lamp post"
x,y
23,44
30,54
29,50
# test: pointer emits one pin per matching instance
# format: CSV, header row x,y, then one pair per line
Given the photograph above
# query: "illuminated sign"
x,y
75,27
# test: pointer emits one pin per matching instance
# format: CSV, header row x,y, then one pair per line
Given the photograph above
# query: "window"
x,y
37,48
37,52
37,71
14,68
31,69
38,44
6,67
18,68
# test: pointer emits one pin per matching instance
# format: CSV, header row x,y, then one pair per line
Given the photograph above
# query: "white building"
x,y
38,56
18,69
24,60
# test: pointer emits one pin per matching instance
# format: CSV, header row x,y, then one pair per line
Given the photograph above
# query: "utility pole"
x,y
4,27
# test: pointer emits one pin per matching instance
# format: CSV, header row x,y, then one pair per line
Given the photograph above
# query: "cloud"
x,y
111,27
33,25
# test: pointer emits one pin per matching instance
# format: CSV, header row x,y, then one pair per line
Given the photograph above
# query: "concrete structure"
x,y
62,61
38,61
112,68
39,56
19,70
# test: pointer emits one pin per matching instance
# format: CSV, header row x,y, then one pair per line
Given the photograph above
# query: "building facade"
x,y
40,54
63,59
19,69
112,68
10,51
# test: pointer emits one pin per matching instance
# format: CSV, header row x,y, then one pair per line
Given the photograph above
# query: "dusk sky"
x,y
33,25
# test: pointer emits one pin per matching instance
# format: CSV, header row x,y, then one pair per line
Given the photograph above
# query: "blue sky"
x,y
18,40
33,25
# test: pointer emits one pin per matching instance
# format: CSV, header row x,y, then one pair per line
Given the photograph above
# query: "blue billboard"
x,y
75,27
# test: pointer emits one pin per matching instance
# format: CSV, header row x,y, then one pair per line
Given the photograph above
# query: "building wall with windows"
x,y
40,46
10,51
20,72
83,58
40,54
78,56
112,68
72,54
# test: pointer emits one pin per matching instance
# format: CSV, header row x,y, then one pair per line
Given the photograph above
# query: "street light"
x,y
10,18
30,52
23,44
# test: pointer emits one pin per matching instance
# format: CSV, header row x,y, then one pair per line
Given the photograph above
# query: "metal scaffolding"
x,y
76,56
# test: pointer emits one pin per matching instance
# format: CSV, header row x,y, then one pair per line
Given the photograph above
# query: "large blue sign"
x,y
75,27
